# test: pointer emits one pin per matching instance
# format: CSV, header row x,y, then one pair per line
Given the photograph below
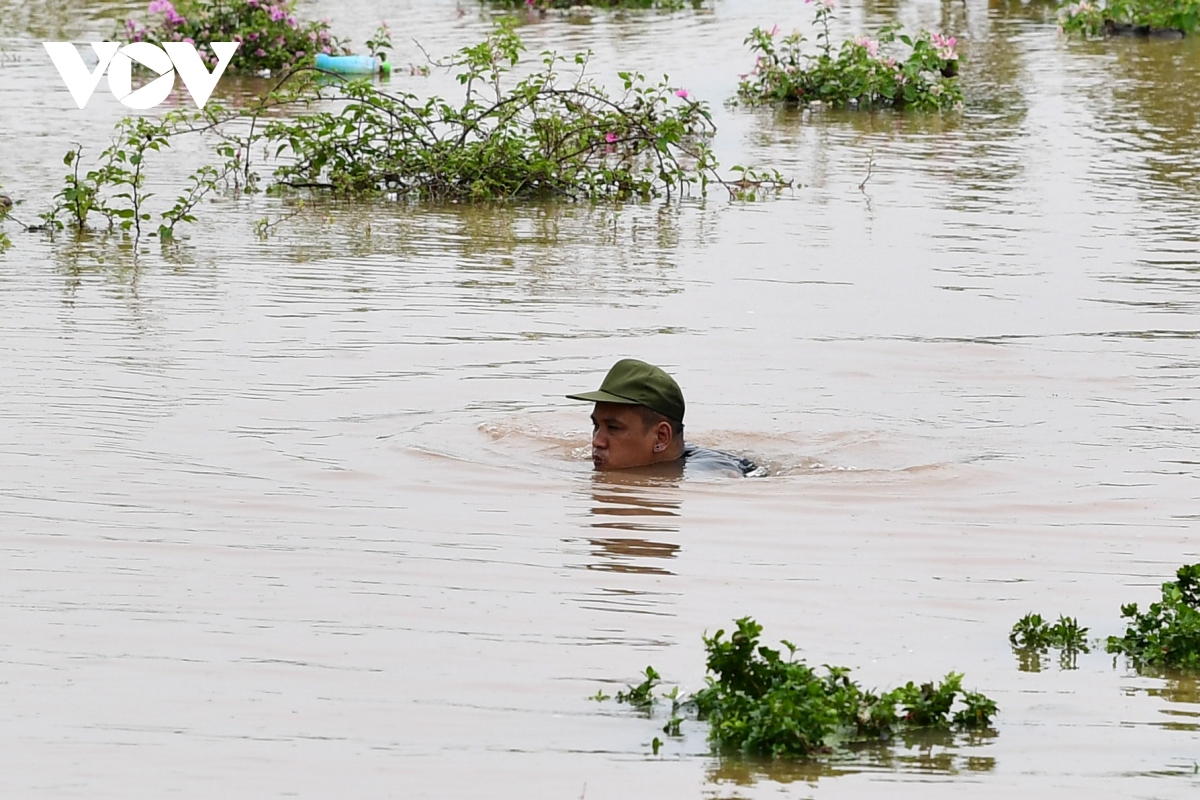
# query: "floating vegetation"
x,y
272,37
1168,633
1032,637
1169,19
758,702
664,5
862,72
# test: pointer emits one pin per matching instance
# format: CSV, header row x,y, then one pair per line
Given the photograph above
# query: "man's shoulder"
x,y
706,459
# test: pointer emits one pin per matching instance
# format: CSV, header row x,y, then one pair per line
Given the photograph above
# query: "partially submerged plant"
x,y
862,72
1132,17
1032,637
666,5
6,205
1168,633
114,189
642,695
271,35
555,133
758,702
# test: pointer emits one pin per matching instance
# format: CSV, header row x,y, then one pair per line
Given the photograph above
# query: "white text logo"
x,y
119,60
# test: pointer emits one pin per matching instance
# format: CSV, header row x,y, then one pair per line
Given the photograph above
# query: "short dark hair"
x,y
650,418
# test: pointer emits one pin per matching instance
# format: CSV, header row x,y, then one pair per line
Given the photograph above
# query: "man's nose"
x,y
599,440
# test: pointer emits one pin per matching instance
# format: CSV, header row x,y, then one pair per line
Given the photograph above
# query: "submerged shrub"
x,y
272,37
114,187
759,702
862,72
555,133
1168,633
1031,637
6,205
668,5
1136,17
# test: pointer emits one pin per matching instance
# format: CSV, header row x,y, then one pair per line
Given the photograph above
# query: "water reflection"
x,y
927,752
635,503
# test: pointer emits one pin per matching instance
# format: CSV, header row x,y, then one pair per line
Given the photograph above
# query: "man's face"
x,y
620,438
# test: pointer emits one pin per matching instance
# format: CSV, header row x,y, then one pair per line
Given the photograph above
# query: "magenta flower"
x,y
608,137
260,52
683,93
276,13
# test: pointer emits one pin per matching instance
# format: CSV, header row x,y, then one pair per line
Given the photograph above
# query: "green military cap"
x,y
637,383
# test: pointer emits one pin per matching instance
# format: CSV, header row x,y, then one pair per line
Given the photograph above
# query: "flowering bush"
x,y
271,36
1129,16
669,5
554,133
860,73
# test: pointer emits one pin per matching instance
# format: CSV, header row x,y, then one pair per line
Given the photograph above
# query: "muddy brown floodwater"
x,y
310,516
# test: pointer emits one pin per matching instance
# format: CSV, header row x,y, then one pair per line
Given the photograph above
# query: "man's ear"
x,y
662,436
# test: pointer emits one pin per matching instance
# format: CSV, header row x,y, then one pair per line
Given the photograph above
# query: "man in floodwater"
x,y
638,422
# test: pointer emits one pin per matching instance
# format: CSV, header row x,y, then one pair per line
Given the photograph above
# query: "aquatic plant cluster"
x,y
115,189
1135,17
666,5
862,72
1167,634
1032,637
554,133
756,701
272,37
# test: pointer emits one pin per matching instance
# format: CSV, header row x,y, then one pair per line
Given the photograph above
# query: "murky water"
x,y
310,516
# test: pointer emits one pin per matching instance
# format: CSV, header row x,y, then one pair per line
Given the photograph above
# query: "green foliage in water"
x,y
759,702
667,5
1032,637
860,73
554,133
272,36
642,695
6,205
1136,17
1168,633
114,187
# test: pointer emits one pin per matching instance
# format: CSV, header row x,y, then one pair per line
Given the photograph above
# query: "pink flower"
x,y
608,137
277,14
774,32
870,45
945,46
683,93
260,52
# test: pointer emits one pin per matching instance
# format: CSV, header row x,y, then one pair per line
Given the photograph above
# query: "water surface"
x,y
310,516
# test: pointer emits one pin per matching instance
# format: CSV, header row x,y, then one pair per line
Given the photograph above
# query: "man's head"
x,y
638,418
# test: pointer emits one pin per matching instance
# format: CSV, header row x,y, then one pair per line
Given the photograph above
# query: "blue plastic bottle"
x,y
351,65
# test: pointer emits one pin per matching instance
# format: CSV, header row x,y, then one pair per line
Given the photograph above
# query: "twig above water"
x,y
862,187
